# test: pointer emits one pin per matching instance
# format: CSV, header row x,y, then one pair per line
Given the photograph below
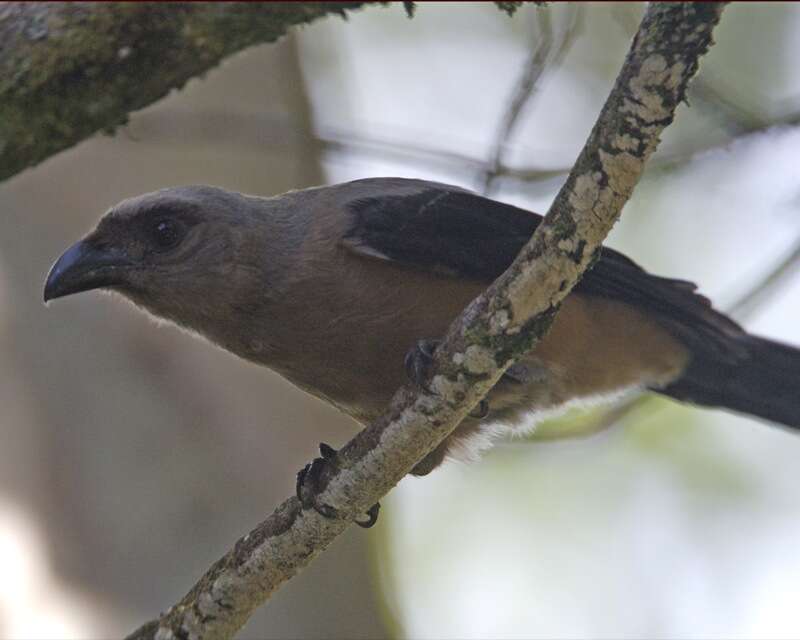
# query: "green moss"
x,y
73,69
68,70
564,226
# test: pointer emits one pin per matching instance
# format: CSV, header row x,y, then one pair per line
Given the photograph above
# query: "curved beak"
x,y
83,267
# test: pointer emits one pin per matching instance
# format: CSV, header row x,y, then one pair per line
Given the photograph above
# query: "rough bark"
x,y
70,69
500,325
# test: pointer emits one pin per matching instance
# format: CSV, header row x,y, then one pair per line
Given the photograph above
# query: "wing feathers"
x,y
469,236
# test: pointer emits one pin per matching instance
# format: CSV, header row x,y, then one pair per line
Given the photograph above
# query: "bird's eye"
x,y
166,234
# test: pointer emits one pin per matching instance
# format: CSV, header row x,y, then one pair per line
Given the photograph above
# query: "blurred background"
x,y
133,455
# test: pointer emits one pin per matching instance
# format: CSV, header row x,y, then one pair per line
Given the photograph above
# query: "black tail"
x,y
764,381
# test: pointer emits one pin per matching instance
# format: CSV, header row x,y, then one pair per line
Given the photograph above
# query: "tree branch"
x,y
747,303
70,69
497,327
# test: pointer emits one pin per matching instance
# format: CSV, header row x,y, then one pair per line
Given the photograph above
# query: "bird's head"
x,y
182,253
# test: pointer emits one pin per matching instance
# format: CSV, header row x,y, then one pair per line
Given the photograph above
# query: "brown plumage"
x,y
332,286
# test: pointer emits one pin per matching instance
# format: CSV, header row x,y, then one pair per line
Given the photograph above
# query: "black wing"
x,y
466,235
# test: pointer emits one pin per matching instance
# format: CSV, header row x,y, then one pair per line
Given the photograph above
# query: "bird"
x,y
344,291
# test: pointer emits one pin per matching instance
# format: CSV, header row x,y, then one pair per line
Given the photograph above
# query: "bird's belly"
x,y
352,356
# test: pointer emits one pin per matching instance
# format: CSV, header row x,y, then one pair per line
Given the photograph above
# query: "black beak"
x,y
83,267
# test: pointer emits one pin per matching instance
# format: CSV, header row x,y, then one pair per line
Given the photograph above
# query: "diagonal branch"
x,y
522,92
747,303
497,327
71,69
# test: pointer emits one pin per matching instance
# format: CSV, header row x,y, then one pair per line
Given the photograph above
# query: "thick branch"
x,y
497,327
69,69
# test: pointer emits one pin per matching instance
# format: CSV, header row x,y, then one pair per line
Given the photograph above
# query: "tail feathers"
x,y
764,381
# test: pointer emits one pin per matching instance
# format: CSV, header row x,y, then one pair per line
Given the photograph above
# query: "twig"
x,y
767,287
708,93
525,87
173,126
337,141
497,327
523,90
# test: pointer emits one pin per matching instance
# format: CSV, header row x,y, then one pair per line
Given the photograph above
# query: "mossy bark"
x,y
70,69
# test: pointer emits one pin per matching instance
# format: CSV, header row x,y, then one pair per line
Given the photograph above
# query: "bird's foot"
x,y
418,362
526,373
307,488
418,365
480,411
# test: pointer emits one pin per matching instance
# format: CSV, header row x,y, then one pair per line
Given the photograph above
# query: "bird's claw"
x,y
372,516
307,485
480,411
307,488
418,363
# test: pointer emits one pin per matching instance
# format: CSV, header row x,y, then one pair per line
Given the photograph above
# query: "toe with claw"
x,y
418,364
480,411
307,488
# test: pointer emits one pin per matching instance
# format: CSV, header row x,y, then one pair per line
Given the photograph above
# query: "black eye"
x,y
166,233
